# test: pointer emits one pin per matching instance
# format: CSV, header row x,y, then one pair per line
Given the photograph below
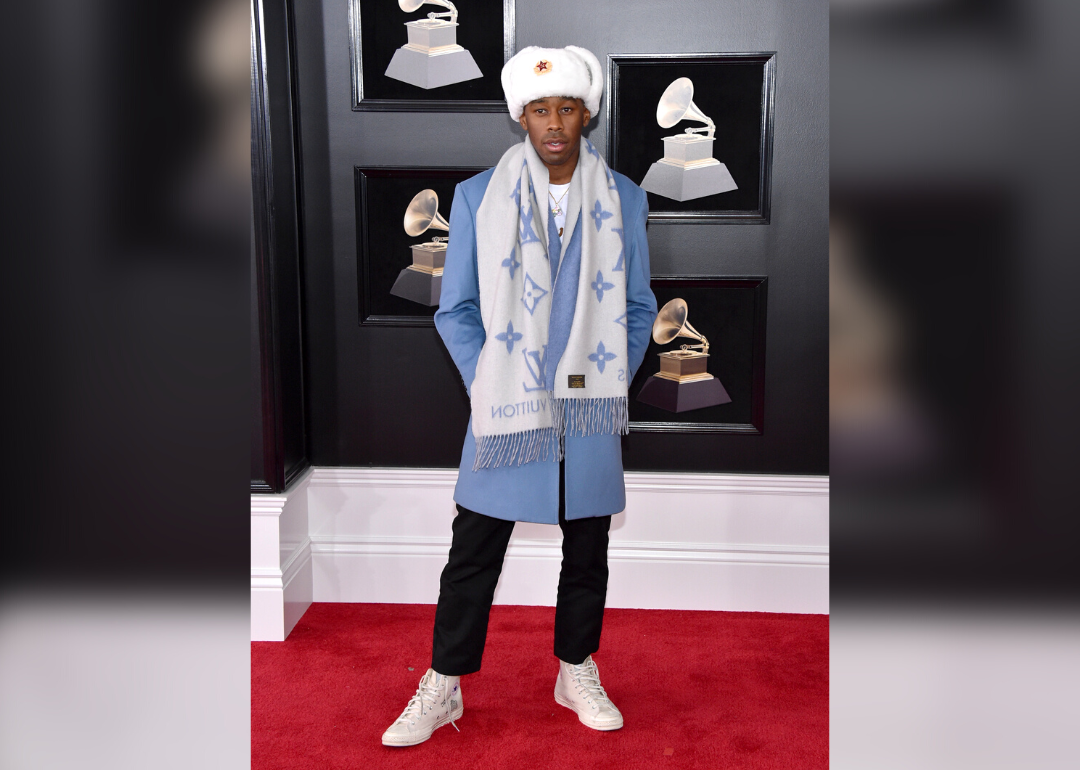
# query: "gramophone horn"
x,y
411,5
423,214
677,104
671,323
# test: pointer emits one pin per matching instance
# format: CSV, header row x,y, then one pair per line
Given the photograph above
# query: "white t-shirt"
x,y
558,192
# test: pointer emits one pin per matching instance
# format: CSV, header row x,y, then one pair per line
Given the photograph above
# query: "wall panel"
x,y
392,397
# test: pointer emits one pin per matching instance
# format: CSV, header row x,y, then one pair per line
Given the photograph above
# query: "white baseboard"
x,y
685,541
281,584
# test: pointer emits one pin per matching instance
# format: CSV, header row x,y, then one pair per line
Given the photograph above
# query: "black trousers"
x,y
468,582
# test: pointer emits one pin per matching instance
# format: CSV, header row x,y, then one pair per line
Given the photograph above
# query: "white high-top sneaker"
x,y
578,688
437,701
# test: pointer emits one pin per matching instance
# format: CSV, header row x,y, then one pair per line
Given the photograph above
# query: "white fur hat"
x,y
536,73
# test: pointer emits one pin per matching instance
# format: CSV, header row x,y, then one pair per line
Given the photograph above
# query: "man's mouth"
x,y
555,145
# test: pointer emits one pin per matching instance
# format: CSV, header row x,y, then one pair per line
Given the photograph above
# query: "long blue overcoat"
x,y
594,472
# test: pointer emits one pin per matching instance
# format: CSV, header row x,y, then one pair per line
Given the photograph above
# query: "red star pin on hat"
x,y
542,67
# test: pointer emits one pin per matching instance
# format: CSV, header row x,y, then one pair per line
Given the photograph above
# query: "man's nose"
x,y
555,122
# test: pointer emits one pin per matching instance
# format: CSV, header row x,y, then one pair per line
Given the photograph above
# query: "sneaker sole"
x,y
581,717
420,737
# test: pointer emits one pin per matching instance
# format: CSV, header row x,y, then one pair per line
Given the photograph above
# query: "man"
x,y
546,310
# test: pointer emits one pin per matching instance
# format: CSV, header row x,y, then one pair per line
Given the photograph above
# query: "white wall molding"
x,y
743,484
442,478
275,577
438,478
281,587
551,549
685,541
268,505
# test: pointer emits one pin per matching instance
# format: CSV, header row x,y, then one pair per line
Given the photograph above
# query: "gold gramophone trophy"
x,y
688,170
683,382
432,57
422,280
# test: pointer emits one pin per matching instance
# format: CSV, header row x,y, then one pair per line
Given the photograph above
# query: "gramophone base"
x,y
686,183
674,396
432,71
415,286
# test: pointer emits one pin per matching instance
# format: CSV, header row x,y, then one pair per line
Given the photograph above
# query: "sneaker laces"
x,y
587,678
428,694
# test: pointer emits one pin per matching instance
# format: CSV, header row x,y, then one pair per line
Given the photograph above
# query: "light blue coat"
x,y
594,472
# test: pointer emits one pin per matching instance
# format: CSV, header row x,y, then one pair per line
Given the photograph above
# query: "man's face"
x,y
554,125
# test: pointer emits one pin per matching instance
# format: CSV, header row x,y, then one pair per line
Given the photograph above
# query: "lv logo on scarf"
x,y
537,373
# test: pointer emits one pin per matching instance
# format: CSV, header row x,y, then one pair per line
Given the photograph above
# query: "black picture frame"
x,y
376,30
731,313
382,245
736,90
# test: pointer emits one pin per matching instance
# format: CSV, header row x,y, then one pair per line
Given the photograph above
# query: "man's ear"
x,y
521,120
588,116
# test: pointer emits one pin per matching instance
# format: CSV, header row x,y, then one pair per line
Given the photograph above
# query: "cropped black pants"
x,y
468,582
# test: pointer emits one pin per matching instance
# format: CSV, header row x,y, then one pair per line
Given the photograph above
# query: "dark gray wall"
x,y
366,404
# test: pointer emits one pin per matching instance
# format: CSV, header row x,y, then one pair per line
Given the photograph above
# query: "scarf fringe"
x,y
516,448
572,417
589,416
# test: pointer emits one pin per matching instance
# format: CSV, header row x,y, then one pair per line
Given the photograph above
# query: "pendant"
x,y
556,210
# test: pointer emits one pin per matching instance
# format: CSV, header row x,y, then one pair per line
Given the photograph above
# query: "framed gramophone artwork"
x,y
430,55
402,224
696,132
704,370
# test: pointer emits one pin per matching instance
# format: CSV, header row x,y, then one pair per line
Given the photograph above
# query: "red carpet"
x,y
697,689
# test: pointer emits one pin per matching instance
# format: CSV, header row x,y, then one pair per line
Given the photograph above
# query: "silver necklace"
x,y
555,209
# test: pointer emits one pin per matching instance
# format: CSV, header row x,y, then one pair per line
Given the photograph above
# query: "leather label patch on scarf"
x,y
575,380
